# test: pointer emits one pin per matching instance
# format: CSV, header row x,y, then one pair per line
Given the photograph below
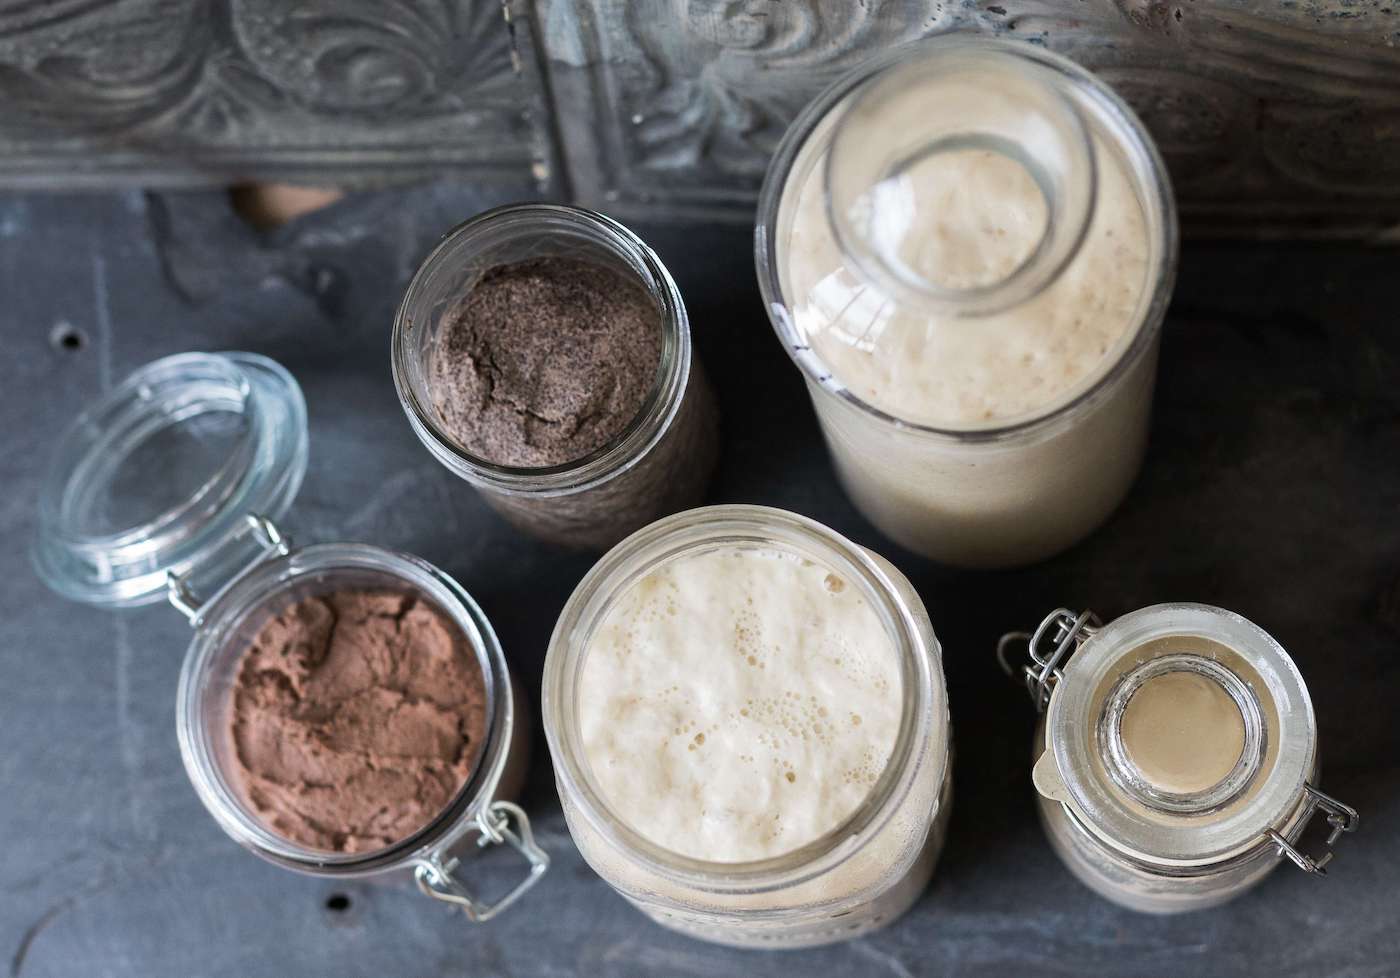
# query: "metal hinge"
x,y
1342,818
1071,630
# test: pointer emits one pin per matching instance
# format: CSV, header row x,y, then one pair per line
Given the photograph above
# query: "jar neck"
x,y
513,233
922,736
1206,754
961,181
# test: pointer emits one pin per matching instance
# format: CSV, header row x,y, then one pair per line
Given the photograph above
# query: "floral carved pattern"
x,y
203,90
690,97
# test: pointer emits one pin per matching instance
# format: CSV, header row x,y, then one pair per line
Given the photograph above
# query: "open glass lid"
x,y
161,474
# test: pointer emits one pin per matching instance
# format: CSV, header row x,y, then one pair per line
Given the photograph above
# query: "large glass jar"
x,y
1176,763
168,487
857,877
659,463
967,246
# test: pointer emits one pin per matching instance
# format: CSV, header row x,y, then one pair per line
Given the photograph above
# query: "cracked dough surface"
x,y
356,717
544,361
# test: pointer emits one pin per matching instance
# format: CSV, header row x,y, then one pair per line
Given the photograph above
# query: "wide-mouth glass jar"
x,y
967,247
1176,762
859,875
659,463
168,487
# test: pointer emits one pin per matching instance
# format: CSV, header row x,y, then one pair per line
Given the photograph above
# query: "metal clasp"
x,y
1342,818
268,536
435,877
1040,675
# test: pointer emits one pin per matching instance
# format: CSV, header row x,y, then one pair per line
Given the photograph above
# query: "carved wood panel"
x,y
97,92
1275,117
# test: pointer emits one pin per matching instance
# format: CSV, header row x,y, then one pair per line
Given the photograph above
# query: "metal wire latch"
x,y
435,879
1342,818
271,542
1040,675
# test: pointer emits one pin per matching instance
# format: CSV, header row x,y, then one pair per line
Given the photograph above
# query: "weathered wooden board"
x,y
1278,117
207,92
1275,117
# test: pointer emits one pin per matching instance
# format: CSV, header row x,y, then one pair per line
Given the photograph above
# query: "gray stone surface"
x,y
1272,487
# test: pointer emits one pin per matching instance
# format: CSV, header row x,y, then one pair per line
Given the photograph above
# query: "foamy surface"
x,y
978,217
738,703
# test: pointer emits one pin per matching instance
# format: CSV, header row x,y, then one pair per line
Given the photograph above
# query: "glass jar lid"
x,y
160,475
964,234
961,180
1180,734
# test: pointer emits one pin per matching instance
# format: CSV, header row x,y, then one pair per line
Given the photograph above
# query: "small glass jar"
x,y
1176,762
168,487
659,464
859,876
852,288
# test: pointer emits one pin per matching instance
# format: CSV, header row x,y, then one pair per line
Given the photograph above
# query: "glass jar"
x,y
660,463
985,416
1176,761
168,487
857,877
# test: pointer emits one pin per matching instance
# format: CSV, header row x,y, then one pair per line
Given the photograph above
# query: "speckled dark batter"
x,y
545,361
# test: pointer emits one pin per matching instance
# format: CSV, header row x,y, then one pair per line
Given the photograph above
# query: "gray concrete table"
x,y
1272,487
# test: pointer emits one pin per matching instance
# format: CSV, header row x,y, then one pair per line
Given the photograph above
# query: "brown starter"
x,y
356,717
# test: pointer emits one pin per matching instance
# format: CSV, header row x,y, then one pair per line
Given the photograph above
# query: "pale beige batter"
x,y
967,219
1182,732
739,703
970,502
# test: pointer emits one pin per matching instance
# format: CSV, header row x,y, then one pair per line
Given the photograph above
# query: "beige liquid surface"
x,y
738,703
1182,732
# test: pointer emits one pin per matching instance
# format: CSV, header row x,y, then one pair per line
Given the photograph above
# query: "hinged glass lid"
x,y
160,475
1179,734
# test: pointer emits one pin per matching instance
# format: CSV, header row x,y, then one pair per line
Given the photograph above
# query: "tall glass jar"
x,y
168,487
967,246
659,463
1176,762
857,877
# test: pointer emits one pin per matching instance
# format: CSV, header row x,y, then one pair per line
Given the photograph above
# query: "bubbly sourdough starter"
x,y
736,704
979,215
1021,496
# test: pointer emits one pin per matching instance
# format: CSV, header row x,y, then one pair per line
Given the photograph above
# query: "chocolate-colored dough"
x,y
545,361
356,717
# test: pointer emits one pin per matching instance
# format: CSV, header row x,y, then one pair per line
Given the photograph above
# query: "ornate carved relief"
x,y
1273,116
162,91
676,104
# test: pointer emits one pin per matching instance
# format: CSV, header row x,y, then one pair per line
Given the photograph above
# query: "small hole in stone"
x,y
338,903
65,336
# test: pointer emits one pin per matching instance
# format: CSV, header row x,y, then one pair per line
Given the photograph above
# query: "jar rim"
x,y
1144,158
211,649
922,737
640,434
